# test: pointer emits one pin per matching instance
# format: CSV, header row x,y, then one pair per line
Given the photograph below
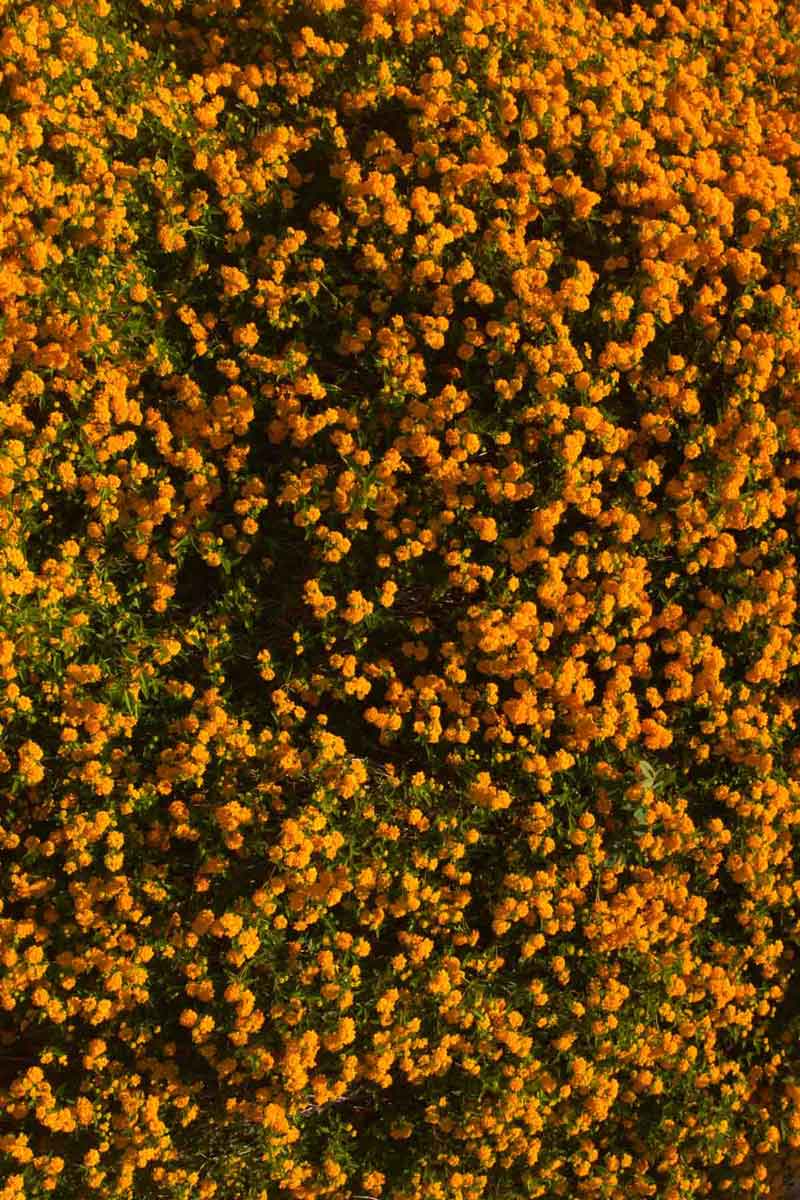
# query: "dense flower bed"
x,y
399,459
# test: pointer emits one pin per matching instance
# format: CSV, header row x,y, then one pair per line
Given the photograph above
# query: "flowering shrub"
x,y
399,459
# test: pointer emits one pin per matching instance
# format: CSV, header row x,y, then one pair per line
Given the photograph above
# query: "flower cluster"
x,y
399,461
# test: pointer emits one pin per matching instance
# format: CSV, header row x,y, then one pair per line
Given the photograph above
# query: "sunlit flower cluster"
x,y
399,461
